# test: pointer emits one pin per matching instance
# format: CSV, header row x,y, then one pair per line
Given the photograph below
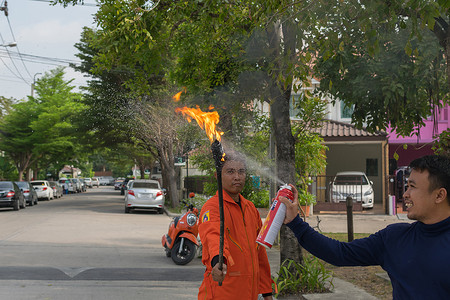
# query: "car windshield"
x,y
350,180
38,183
5,185
22,184
146,185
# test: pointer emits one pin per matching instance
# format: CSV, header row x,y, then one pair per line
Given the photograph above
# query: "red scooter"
x,y
181,241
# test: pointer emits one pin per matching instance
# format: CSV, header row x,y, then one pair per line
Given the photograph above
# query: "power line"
x,y
79,4
12,61
41,59
17,47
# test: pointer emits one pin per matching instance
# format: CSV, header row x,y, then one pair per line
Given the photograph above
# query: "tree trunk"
x,y
285,161
142,169
280,93
169,173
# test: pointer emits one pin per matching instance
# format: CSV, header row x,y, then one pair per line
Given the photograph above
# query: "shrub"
x,y
308,277
260,198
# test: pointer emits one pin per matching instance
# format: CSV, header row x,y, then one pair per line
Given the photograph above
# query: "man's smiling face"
x,y
419,200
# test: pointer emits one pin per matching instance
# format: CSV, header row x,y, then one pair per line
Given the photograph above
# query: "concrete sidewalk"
x,y
338,223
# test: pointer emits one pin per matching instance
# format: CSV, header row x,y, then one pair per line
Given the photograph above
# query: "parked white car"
x,y
354,184
144,194
95,182
43,189
88,182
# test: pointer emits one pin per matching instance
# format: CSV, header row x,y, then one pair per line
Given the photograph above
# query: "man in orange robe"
x,y
246,269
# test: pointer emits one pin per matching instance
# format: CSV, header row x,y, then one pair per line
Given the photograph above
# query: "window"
x,y
372,167
346,111
145,185
293,103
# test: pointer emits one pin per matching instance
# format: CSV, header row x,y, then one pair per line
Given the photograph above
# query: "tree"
x,y
160,126
229,54
211,45
384,84
41,129
17,136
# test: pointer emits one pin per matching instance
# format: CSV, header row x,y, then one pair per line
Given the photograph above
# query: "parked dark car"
x,y
58,190
123,187
11,195
118,183
30,195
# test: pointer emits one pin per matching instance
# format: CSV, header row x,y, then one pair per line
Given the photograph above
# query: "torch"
x,y
208,121
217,152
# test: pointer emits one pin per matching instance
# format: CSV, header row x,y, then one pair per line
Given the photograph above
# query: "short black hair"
x,y
231,155
438,167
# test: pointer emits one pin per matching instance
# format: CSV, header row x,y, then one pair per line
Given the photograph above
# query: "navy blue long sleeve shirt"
x,y
416,256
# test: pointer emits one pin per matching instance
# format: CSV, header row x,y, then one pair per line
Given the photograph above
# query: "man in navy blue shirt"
x,y
416,256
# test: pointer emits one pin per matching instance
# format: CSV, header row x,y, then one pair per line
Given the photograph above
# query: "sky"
x,y
39,29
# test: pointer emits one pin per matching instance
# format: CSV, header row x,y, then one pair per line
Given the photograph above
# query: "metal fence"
x,y
331,197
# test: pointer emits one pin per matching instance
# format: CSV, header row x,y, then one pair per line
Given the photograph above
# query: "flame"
x,y
206,120
177,96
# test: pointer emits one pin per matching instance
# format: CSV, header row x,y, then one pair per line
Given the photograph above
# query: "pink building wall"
x,y
418,145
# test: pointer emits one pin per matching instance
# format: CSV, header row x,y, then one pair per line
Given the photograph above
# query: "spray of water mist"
x,y
253,165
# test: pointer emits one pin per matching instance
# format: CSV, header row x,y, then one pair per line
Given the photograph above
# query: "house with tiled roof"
x,y
352,149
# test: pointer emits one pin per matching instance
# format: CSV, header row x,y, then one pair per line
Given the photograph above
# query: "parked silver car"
x,y
144,194
29,193
43,189
77,188
57,189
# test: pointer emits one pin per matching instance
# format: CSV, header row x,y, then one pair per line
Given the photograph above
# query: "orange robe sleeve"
x,y
209,231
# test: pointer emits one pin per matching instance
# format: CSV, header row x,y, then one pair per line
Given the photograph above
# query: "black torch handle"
x,y
219,182
217,152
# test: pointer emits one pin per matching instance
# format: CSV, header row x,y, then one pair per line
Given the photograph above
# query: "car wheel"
x,y
16,205
36,201
31,203
160,211
24,205
127,210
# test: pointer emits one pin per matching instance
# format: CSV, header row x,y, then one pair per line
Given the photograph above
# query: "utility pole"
x,y
32,85
5,8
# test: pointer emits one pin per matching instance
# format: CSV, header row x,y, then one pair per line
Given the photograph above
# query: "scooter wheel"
x,y
187,253
168,252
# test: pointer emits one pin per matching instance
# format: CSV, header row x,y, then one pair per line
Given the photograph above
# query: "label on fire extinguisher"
x,y
275,218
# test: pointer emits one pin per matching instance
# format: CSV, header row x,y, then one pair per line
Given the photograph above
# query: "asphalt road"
x,y
83,246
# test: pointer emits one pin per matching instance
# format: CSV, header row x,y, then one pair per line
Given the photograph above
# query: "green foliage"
x,y
259,197
308,277
40,132
442,144
390,78
310,157
7,170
